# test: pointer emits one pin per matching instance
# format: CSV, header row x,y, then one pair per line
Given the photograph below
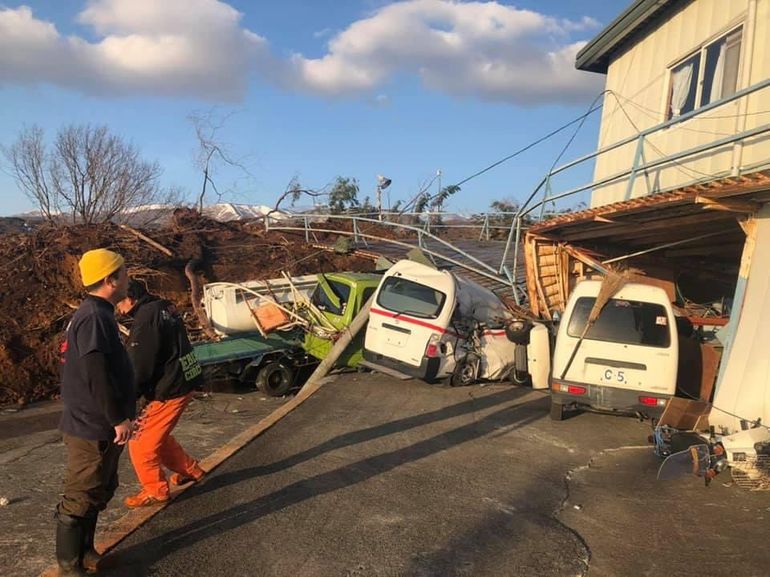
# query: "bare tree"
x,y
294,191
89,173
342,195
211,150
28,160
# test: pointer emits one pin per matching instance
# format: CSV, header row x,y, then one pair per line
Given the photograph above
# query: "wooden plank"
x,y
711,356
529,264
683,413
550,291
730,248
747,206
564,258
110,536
549,259
631,228
544,311
551,280
549,270
582,256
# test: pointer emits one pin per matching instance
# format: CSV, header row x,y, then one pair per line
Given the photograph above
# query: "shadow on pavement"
x,y
356,437
138,559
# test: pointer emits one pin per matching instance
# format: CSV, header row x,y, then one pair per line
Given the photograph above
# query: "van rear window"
x,y
403,296
622,321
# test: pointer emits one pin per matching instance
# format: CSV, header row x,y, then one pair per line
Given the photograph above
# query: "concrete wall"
x,y
639,79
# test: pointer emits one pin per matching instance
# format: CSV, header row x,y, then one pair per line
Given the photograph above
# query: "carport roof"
x,y
664,217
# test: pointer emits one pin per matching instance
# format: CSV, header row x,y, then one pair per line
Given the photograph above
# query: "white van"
x,y
433,325
628,360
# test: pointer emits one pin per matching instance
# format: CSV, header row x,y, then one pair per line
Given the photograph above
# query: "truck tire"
x,y
275,379
520,373
465,372
557,411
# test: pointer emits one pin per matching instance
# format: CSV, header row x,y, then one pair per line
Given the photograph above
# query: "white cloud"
x,y
474,49
173,47
322,33
199,48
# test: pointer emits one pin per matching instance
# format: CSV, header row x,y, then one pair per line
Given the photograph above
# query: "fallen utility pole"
x,y
135,518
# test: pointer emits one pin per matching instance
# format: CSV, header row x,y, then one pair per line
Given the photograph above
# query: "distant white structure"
x,y
228,211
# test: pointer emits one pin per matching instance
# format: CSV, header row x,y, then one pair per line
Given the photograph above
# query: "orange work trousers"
x,y
153,447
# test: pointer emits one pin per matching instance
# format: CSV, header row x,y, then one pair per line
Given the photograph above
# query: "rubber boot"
x,y
69,545
90,559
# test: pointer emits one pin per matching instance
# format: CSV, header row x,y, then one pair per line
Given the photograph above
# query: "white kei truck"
x,y
436,326
627,360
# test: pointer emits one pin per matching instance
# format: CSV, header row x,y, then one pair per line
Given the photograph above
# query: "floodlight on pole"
x,y
382,184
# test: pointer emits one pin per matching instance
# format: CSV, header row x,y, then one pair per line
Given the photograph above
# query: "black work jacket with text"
x,y
165,366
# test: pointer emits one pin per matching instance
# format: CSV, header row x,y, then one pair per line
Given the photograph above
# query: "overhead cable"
x,y
580,119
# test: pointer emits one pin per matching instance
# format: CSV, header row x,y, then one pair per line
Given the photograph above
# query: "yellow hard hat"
x,y
98,264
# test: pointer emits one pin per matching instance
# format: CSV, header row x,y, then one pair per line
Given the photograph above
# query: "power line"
x,y
651,114
678,165
574,134
655,112
593,108
535,143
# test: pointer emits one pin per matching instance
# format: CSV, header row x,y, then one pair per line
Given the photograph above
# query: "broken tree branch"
x,y
146,239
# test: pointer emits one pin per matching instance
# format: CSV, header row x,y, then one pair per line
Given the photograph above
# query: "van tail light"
x,y
653,401
433,349
569,389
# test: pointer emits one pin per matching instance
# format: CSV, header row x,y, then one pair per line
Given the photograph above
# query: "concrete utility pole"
x,y
346,337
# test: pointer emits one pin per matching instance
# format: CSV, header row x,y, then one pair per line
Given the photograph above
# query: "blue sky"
x,y
310,90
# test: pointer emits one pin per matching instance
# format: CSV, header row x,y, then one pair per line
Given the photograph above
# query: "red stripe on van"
x,y
413,321
497,333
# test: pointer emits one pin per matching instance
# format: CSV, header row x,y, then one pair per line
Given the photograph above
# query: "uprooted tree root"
x,y
41,283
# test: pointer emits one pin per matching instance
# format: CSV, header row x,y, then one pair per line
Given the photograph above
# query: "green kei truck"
x,y
281,360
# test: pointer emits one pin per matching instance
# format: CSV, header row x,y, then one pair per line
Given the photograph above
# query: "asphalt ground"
x,y
32,467
377,477
373,476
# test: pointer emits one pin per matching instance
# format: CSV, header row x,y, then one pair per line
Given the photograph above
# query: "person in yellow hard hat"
x,y
97,389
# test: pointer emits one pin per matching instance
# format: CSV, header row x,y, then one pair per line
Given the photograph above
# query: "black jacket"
x,y
165,366
97,386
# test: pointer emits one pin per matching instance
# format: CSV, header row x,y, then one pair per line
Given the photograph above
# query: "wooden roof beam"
x,y
632,228
728,205
723,249
658,237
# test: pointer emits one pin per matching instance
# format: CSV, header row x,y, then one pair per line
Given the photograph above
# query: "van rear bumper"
x,y
427,370
608,398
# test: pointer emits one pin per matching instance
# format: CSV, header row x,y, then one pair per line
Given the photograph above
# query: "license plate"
x,y
613,376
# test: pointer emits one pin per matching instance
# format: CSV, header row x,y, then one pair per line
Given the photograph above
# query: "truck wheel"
x,y
275,379
557,411
520,372
465,372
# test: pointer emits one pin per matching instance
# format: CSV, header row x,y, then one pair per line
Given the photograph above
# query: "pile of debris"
x,y
41,285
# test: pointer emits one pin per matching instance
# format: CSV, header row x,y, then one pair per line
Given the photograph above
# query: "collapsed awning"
x,y
698,227
743,391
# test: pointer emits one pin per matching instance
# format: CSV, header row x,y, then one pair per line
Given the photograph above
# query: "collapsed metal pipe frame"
x,y
486,270
637,166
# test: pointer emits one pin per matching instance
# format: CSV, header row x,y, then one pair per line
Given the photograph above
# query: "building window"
x,y
706,76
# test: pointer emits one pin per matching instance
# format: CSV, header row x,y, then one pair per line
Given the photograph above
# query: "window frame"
x,y
325,304
416,314
699,74
584,304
